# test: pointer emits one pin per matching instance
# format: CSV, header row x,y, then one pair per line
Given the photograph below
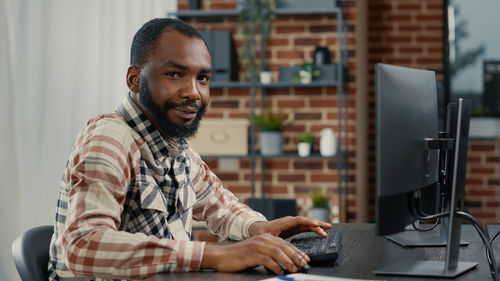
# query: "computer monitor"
x,y
406,115
409,148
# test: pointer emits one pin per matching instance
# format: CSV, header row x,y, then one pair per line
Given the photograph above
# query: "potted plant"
x,y
320,204
265,75
306,142
254,18
306,73
271,125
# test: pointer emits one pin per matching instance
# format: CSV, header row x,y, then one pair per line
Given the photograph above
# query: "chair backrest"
x,y
31,253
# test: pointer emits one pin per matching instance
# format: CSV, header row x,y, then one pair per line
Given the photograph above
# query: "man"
x,y
132,185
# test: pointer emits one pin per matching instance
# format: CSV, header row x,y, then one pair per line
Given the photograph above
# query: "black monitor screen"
x,y
406,115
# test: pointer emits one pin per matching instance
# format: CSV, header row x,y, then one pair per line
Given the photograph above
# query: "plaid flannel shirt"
x,y
127,200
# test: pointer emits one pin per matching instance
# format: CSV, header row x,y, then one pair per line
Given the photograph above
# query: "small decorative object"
x,y
306,141
271,126
265,75
320,206
194,4
322,56
327,142
306,73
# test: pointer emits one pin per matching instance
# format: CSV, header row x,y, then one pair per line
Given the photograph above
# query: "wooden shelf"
x,y
234,13
287,84
284,155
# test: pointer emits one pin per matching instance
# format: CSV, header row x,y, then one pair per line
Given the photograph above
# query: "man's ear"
x,y
133,78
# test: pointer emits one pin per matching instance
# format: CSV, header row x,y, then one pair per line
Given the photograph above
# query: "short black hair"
x,y
146,37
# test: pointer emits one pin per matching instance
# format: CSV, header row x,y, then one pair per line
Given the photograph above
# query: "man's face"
x,y
174,83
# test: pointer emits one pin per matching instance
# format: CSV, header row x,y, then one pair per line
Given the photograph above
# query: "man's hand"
x,y
289,226
264,249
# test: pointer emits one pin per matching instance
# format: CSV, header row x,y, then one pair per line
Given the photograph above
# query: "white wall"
x,y
61,63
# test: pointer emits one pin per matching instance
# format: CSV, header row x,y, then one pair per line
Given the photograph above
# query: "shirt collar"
x,y
138,121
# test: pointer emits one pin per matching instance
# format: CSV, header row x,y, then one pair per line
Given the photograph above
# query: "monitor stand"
x,y
414,238
425,268
452,224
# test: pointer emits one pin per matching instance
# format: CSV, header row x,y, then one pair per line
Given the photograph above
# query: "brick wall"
x,y
400,32
409,33
404,33
292,41
483,180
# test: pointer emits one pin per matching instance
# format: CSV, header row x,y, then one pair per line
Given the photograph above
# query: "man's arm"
x,y
97,180
217,206
225,215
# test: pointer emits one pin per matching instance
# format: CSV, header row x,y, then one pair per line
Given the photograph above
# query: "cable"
x,y
494,236
416,205
490,255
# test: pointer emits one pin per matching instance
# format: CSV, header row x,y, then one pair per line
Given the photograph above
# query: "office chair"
x,y
31,253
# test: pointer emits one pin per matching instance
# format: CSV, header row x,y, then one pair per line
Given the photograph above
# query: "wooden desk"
x,y
362,252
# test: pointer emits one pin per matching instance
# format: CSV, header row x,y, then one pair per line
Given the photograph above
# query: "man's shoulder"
x,y
113,126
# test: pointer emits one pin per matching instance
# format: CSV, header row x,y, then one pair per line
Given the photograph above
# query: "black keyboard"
x,y
318,248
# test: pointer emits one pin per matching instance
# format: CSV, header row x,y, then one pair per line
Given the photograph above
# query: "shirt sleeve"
x,y
217,206
97,179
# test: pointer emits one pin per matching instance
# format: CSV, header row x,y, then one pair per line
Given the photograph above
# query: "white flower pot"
x,y
265,77
304,149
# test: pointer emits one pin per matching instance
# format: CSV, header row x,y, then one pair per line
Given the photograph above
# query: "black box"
x,y
273,208
491,96
224,58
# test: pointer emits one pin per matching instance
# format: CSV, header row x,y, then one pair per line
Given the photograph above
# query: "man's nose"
x,y
191,91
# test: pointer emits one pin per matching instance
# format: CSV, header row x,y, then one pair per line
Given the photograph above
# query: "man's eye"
x,y
204,78
172,74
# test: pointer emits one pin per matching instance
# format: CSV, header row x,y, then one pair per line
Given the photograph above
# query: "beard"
x,y
159,113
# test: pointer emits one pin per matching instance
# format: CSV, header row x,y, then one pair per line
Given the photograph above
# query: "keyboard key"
x,y
316,247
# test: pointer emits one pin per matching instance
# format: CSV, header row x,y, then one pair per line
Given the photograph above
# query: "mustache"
x,y
171,105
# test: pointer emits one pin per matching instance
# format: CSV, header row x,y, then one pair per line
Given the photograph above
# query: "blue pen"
x,y
285,278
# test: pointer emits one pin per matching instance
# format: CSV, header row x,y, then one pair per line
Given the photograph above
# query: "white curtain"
x,y
61,63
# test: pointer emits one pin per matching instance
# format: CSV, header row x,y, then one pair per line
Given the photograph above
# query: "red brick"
x,y
291,103
484,147
244,92
228,176
277,164
473,181
276,42
483,170
493,159
222,6
322,28
291,177
307,91
330,177
426,18
290,54
323,103
290,29
276,190
308,116
308,165
307,41
239,188
408,6
481,192
225,104
493,182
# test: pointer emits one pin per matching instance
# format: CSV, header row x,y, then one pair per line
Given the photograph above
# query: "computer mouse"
x,y
300,269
